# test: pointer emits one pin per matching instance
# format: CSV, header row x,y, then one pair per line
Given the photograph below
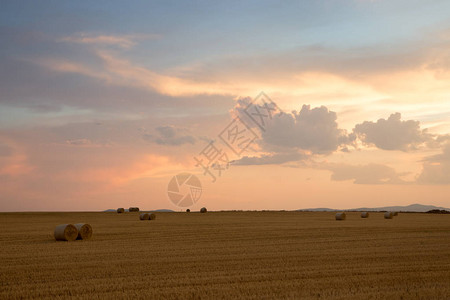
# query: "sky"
x,y
291,105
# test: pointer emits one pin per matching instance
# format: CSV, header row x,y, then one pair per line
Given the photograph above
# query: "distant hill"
x,y
318,209
408,208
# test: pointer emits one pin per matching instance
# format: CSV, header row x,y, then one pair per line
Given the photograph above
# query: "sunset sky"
x,y
102,103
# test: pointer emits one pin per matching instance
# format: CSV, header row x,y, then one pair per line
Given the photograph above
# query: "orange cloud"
x,y
370,95
124,41
16,162
147,166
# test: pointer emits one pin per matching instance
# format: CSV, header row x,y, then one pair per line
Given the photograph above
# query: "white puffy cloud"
x,y
392,134
315,130
295,136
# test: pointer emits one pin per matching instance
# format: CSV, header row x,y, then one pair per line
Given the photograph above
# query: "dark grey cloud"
x,y
170,135
392,133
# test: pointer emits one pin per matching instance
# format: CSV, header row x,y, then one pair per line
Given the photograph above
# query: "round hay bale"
x,y
133,209
66,232
203,210
84,231
364,214
388,215
188,210
144,216
340,216
151,216
120,210
395,213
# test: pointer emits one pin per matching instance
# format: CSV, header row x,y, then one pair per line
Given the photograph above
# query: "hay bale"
x,y
66,232
395,213
144,216
84,231
151,216
188,210
364,214
203,210
120,210
133,209
340,216
388,215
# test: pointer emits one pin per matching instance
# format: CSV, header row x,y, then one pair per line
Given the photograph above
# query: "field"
x,y
251,255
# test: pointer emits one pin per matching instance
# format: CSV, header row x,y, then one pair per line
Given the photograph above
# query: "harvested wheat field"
x,y
252,255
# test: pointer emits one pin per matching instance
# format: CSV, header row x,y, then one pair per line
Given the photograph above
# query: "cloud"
x,y
123,41
392,134
118,71
295,136
436,168
438,141
365,174
14,162
127,73
269,159
86,143
79,142
314,129
342,79
170,135
33,88
70,161
5,150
